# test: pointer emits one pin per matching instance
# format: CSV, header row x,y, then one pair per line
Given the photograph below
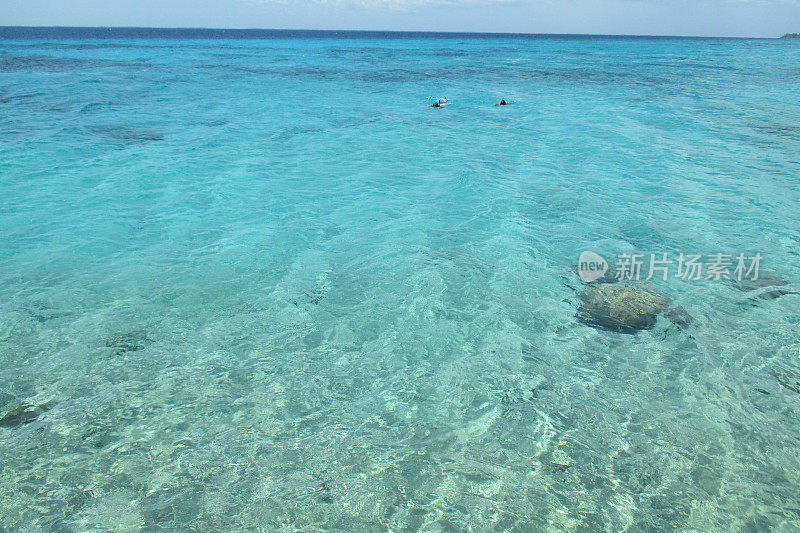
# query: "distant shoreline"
x,y
123,32
791,36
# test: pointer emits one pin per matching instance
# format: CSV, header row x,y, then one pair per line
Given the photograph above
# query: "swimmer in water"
x,y
441,102
502,102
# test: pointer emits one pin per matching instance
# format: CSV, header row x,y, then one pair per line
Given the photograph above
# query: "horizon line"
x,y
431,32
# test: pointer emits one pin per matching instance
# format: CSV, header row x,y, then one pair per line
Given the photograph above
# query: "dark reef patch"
x,y
41,63
23,413
787,379
42,312
764,279
774,294
680,317
126,134
132,341
781,130
772,286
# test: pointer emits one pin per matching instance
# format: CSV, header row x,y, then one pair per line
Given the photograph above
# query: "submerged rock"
x,y
624,307
24,413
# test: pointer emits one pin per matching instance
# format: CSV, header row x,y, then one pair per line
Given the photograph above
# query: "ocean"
x,y
249,281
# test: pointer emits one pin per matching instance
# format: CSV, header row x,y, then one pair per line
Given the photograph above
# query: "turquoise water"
x,y
258,285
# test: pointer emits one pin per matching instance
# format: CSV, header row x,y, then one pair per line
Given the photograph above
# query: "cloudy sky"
x,y
746,18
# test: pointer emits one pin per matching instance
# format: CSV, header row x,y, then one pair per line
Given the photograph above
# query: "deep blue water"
x,y
249,280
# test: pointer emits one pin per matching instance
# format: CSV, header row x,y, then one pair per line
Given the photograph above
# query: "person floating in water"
x,y
502,102
441,102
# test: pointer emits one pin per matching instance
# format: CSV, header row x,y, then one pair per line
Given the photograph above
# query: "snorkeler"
x,y
502,102
441,102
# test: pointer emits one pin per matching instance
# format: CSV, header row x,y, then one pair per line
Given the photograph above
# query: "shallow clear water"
x,y
259,284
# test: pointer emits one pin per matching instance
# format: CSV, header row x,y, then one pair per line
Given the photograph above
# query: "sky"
x,y
732,18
